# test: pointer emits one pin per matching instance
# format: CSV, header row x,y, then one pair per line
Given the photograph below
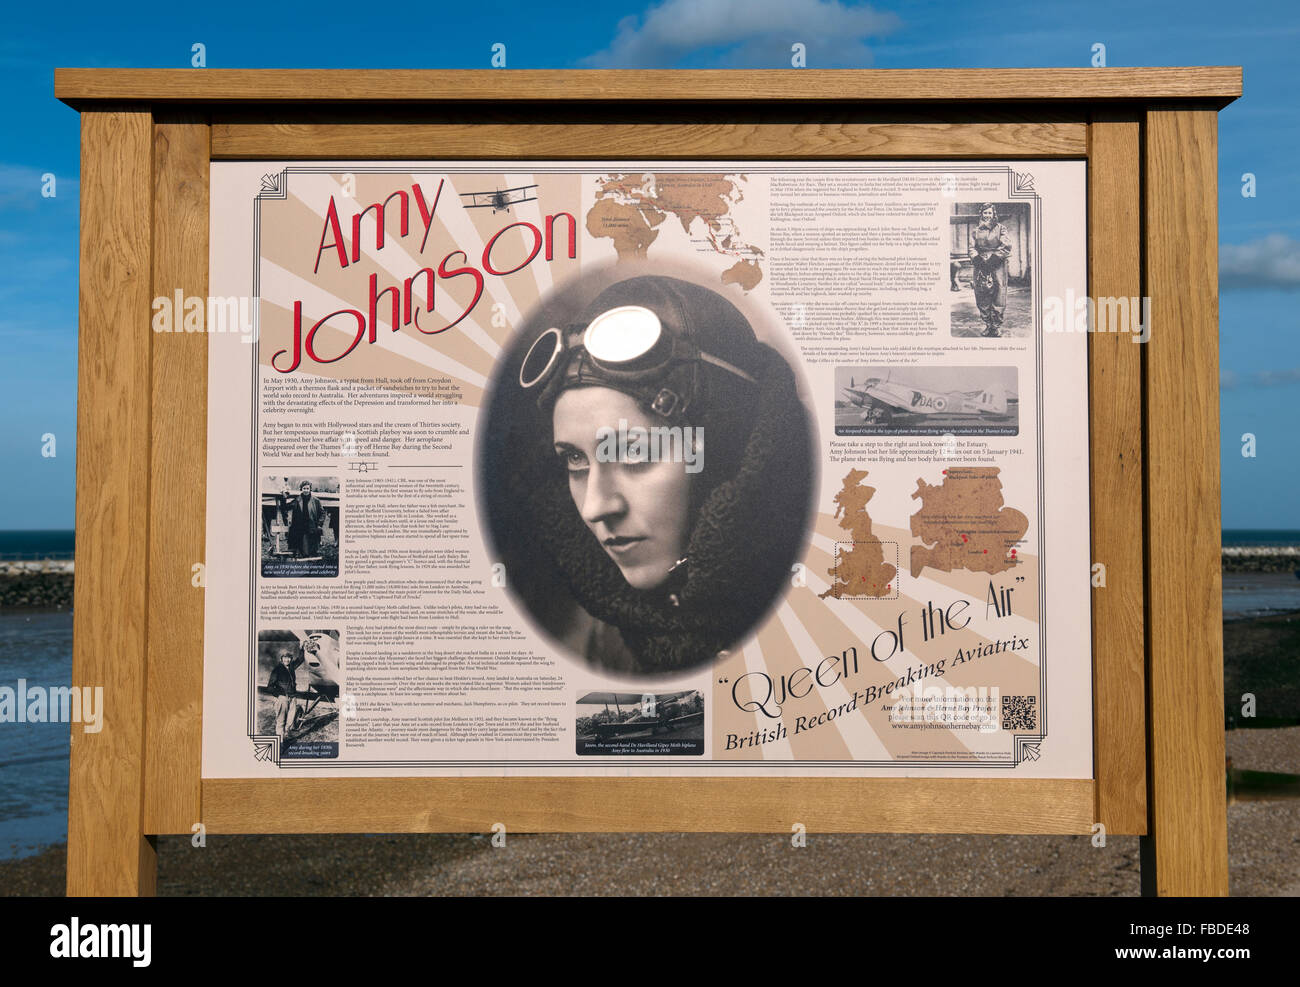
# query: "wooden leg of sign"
x,y
174,694
108,853
1115,394
1188,812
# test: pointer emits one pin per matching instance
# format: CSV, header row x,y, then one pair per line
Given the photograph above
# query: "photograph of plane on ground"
x,y
299,676
926,401
623,723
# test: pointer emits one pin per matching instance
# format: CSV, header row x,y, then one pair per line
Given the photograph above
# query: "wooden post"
x,y
1115,436
1150,138
177,471
1188,842
108,853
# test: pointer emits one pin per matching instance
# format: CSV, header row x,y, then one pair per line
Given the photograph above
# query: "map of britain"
x,y
860,568
964,523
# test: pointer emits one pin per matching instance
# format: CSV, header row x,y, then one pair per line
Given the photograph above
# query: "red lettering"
x,y
297,341
374,306
426,213
380,212
331,225
487,251
443,272
311,335
550,235
408,290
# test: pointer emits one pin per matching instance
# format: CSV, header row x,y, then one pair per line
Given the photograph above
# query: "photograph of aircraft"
x,y
319,660
499,200
926,401
632,723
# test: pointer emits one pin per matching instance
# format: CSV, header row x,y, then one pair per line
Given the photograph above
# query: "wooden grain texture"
x,y
1115,437
1184,592
1216,84
107,853
647,805
178,465
651,140
135,777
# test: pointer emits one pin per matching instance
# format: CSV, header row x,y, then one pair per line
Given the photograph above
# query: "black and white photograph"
x,y
300,526
926,401
299,689
647,466
990,270
635,724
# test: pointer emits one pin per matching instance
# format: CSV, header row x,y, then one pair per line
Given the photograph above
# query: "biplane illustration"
x,y
321,660
499,200
882,400
670,712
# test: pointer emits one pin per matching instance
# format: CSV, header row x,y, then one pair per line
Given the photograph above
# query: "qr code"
x,y
1019,712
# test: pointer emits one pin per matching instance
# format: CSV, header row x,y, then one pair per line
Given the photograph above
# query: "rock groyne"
x,y
44,584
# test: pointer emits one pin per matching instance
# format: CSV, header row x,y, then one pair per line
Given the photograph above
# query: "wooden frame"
x,y
1149,136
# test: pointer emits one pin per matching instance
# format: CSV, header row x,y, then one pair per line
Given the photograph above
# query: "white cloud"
x,y
1230,380
1278,378
1270,262
751,33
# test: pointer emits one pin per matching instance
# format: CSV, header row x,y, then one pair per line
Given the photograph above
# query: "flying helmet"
x,y
653,338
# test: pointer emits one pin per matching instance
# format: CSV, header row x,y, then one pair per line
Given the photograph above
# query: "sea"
x,y
34,756
19,545
1257,594
37,646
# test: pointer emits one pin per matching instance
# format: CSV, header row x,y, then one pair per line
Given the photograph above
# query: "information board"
x,y
638,468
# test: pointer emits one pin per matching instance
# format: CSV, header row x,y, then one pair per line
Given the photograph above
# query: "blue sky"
x,y
1260,133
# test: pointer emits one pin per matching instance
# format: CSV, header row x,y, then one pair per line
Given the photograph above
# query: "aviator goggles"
x,y
627,348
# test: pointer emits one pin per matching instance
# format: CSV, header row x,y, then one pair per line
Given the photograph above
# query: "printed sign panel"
x,y
646,469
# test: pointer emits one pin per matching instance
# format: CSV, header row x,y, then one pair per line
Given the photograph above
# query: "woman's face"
x,y
987,215
638,510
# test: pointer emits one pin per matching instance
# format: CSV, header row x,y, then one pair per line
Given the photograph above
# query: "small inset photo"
x,y
640,724
300,526
927,401
299,686
990,270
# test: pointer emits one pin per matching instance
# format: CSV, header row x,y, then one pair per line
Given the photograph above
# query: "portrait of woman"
x,y
989,249
648,472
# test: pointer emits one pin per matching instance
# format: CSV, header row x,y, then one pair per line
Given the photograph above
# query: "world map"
x,y
630,210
